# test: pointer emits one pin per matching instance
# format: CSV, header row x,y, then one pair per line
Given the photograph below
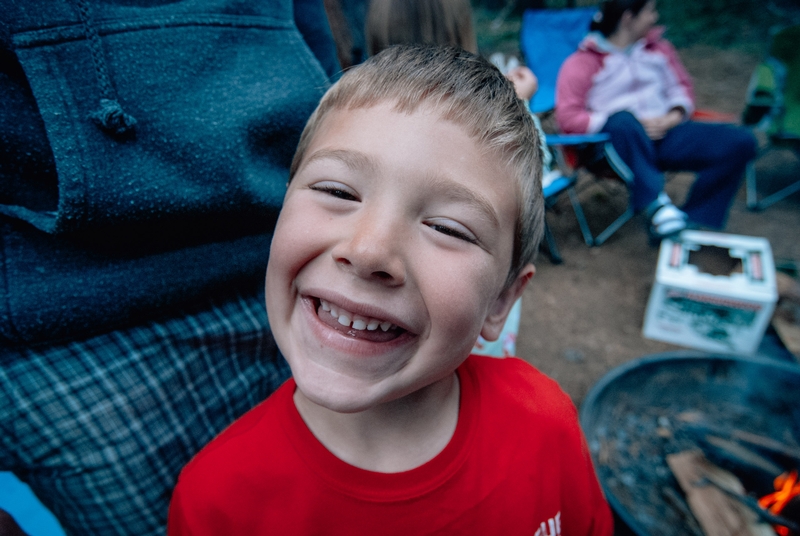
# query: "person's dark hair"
x,y
610,12
433,22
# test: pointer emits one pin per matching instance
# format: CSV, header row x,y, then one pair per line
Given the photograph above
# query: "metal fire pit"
x,y
667,403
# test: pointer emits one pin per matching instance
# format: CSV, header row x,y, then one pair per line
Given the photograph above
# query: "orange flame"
x,y
786,487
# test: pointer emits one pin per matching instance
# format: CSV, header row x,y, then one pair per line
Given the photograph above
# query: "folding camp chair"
x,y
548,37
554,181
773,107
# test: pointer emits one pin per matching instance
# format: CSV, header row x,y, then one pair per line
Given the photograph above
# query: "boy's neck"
x,y
396,436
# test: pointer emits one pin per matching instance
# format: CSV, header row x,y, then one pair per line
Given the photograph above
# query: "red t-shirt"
x,y
516,464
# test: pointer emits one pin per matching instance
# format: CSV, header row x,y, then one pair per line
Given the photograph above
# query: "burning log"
x,y
762,453
717,513
742,455
774,447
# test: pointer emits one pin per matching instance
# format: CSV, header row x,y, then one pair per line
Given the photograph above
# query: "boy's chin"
x,y
355,396
339,401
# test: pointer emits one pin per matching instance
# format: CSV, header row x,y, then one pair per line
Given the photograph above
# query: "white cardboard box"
x,y
712,292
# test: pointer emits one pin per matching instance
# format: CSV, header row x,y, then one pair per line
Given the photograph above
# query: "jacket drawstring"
x,y
109,116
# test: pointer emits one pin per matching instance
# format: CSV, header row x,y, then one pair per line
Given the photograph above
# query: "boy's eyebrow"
x,y
460,192
352,159
453,190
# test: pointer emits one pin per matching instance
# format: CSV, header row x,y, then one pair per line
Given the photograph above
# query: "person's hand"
x,y
525,82
657,127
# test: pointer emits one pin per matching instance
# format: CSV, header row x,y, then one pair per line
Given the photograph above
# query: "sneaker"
x,y
666,221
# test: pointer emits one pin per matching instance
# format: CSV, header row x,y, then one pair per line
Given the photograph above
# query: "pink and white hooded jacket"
x,y
598,80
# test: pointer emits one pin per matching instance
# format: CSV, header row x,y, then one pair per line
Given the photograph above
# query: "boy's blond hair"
x,y
463,88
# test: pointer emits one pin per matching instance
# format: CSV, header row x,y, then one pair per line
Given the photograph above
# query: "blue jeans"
x,y
718,153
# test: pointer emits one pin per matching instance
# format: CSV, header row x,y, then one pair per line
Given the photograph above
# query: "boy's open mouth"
x,y
360,327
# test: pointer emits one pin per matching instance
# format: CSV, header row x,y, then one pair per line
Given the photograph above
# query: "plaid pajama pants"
x,y
100,428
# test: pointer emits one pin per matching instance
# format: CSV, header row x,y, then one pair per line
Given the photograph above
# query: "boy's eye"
x,y
453,229
335,189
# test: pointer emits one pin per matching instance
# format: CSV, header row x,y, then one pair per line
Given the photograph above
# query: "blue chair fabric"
x,y
548,37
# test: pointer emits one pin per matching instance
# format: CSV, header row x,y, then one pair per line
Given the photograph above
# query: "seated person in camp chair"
x,y
413,212
627,81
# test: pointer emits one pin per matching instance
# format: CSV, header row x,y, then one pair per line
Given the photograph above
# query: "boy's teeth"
x,y
357,322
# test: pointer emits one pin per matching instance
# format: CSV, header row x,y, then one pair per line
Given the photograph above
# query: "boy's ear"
x,y
493,325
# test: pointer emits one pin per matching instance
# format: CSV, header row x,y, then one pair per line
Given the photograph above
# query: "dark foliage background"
x,y
721,23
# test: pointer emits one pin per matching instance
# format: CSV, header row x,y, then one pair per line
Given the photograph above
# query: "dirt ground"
x,y
582,318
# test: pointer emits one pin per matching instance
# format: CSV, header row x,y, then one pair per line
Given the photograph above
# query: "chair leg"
x,y
584,225
777,196
753,202
750,183
615,225
552,247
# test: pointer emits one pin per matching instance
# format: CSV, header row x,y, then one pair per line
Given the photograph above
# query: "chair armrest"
x,y
575,139
713,116
557,184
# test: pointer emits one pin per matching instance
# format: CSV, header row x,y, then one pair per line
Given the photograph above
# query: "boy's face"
x,y
389,256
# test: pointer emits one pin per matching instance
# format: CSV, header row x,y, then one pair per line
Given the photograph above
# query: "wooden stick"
x,y
717,514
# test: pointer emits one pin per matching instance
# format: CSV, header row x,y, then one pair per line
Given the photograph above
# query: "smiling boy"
x,y
412,215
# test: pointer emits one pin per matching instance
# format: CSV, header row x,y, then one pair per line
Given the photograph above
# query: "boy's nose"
x,y
373,251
